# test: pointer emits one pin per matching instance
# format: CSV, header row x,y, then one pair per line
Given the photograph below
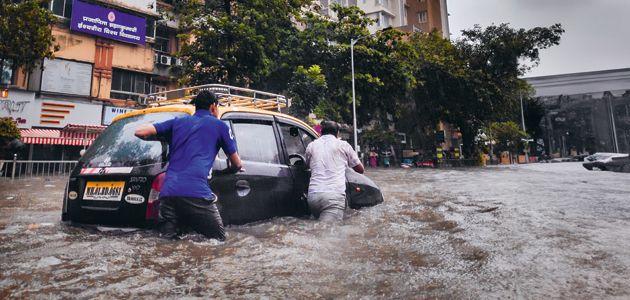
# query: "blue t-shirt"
x,y
194,143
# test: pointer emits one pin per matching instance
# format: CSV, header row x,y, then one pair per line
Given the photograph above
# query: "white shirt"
x,y
328,158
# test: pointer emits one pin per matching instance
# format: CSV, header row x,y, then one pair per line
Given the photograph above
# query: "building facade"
x,y
585,112
112,54
405,15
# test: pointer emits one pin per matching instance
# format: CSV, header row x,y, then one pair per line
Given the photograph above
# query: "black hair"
x,y
204,100
329,127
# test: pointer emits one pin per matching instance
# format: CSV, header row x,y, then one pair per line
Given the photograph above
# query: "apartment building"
x,y
405,15
112,54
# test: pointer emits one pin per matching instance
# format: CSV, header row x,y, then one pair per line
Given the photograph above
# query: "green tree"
x,y
235,42
306,89
8,132
26,33
506,136
474,81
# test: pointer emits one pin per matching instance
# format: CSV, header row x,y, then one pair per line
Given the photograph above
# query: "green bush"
x,y
8,132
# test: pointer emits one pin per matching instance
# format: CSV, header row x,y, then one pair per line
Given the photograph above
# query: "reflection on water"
x,y
518,231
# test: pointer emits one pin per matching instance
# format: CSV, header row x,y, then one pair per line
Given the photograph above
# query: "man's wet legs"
x,y
327,206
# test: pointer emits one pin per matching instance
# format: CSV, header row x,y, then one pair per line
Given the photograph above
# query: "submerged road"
x,y
537,231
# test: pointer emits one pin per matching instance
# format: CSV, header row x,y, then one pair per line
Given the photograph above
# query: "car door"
x,y
260,192
295,139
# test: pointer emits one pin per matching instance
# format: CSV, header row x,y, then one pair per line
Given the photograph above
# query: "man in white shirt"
x,y
328,158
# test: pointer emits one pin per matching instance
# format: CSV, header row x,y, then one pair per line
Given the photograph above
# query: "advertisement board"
x,y
108,23
67,77
19,105
111,112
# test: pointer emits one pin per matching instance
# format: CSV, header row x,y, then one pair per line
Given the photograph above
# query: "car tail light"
x,y
153,206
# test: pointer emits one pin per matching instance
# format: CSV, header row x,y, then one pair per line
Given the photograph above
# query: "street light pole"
x,y
354,101
354,104
523,118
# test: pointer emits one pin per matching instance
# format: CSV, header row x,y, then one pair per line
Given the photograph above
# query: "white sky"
x,y
597,32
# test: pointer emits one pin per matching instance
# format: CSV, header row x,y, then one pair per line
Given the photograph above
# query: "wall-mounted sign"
x,y
108,23
67,77
19,105
111,112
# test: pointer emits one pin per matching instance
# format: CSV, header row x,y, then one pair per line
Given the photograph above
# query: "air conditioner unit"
x,y
156,58
143,100
179,62
165,60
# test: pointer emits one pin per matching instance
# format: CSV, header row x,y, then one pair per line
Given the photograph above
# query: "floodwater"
x,y
537,231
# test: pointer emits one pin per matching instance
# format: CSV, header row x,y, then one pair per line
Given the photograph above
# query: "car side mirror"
x,y
293,131
297,159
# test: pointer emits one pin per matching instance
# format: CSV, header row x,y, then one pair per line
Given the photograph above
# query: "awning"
x,y
51,137
79,131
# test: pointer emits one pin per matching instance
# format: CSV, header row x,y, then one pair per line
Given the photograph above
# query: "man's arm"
x,y
359,168
234,165
146,132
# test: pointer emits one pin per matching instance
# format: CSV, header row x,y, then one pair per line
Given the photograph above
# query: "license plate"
x,y
104,191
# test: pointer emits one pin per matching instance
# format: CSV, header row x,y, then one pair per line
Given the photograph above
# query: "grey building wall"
x,y
585,112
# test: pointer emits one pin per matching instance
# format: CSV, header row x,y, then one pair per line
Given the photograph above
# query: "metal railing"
x,y
35,168
228,95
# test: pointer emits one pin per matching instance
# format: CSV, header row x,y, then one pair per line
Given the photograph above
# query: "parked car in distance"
x,y
118,180
598,160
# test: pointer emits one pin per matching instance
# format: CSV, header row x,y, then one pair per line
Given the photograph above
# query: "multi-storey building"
x,y
405,15
112,53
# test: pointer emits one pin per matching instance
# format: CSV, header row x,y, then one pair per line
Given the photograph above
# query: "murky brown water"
x,y
543,231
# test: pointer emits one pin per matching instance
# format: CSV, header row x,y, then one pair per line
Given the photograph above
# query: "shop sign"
x,y
67,77
19,106
113,112
108,23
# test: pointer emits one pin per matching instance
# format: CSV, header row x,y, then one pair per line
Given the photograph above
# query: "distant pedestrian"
x,y
186,198
328,158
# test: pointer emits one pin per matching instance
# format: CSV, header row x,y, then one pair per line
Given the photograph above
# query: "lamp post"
x,y
354,102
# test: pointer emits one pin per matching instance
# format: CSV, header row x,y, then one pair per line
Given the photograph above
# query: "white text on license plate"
x,y
104,191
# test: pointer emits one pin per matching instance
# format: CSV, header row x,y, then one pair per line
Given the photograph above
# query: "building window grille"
x,y
422,17
126,83
162,40
150,28
62,8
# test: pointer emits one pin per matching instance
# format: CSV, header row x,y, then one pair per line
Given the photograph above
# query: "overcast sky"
x,y
597,33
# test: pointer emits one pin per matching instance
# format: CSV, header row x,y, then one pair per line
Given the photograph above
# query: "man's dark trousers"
x,y
201,214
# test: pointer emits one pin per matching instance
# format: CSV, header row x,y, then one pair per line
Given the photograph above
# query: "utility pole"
x,y
523,118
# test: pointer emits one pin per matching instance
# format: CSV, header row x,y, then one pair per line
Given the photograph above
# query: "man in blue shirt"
x,y
194,141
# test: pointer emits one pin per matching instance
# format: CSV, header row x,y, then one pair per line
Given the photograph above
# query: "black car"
x,y
119,178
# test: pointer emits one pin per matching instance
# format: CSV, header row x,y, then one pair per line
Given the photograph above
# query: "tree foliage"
x,y
26,33
421,80
8,132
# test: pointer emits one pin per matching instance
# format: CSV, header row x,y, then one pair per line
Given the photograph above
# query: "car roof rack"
x,y
228,96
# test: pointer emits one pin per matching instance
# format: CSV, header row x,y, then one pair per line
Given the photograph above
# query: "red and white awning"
x,y
79,131
51,137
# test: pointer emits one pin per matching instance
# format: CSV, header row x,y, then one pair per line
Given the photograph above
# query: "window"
x,y
126,83
118,145
7,72
387,20
62,8
292,137
405,17
422,17
150,28
340,2
162,40
257,142
384,20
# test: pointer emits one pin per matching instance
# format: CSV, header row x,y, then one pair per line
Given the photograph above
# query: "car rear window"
x,y
117,146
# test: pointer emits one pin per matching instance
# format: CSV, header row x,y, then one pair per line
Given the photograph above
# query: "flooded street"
x,y
538,231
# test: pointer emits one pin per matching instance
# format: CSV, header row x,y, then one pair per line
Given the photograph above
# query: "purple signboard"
x,y
108,23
